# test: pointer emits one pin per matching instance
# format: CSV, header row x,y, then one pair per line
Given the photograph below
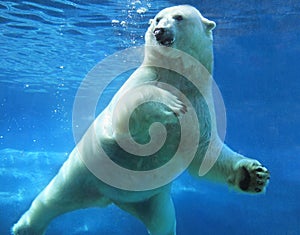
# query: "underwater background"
x,y
47,48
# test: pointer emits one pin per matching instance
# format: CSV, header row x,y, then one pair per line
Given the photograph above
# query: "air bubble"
x,y
115,21
141,10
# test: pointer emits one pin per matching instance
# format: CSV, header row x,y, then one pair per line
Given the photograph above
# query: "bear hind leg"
x,y
157,213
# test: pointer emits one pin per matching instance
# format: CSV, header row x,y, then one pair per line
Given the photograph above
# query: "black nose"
x,y
158,33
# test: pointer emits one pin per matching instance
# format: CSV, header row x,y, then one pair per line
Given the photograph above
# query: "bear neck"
x,y
206,58
209,65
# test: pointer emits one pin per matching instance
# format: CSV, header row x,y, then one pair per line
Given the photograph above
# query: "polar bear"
x,y
75,186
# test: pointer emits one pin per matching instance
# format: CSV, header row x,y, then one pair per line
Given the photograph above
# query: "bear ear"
x,y
210,25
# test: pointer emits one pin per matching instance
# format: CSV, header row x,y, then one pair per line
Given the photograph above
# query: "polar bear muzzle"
x,y
164,36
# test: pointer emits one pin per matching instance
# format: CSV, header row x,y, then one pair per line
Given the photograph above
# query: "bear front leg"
x,y
242,173
128,104
157,213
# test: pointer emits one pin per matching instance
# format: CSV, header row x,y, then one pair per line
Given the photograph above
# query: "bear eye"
x,y
178,17
158,19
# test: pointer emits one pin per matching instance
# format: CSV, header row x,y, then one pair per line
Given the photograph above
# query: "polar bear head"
x,y
184,28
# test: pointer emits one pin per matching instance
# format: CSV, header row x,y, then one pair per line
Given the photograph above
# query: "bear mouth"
x,y
164,36
167,42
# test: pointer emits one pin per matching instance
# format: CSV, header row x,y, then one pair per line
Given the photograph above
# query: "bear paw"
x,y
177,106
252,177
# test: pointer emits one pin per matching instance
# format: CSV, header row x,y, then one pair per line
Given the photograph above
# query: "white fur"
x,y
75,187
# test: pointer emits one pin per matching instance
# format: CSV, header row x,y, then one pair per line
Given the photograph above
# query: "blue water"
x,y
47,48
